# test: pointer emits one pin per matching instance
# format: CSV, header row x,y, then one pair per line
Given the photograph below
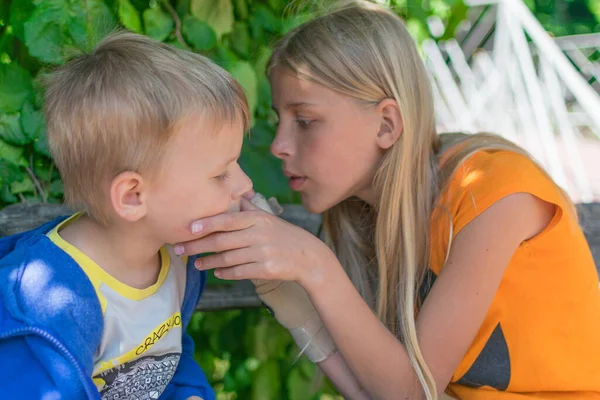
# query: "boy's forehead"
x,y
208,124
214,140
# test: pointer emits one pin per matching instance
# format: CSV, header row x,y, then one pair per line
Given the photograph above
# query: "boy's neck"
x,y
126,253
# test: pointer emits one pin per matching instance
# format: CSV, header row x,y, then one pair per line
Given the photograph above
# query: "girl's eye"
x,y
223,177
304,122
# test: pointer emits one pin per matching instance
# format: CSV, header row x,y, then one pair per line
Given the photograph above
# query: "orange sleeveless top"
x,y
541,336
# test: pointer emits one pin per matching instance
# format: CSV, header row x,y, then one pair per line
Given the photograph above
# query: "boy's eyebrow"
x,y
229,161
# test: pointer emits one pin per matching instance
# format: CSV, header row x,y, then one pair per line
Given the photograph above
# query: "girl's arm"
x,y
341,376
452,313
255,245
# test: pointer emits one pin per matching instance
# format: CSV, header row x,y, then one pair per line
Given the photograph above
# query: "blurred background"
x,y
527,70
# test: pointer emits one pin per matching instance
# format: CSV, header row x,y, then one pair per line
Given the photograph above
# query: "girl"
x,y
453,262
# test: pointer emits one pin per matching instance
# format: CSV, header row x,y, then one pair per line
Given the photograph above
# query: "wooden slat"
x,y
21,217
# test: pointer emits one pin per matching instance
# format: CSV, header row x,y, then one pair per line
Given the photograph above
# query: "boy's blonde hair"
x,y
115,109
364,51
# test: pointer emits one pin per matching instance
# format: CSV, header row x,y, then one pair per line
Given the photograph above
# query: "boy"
x,y
146,138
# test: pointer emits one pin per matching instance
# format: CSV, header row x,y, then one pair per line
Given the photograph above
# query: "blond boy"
x,y
146,138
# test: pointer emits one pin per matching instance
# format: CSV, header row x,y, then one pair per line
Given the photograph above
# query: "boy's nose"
x,y
244,186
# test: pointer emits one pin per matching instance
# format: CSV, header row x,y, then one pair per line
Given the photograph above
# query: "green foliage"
x,y
567,17
36,36
246,354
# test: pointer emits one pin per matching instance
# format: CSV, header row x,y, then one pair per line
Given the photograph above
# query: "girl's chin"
x,y
314,205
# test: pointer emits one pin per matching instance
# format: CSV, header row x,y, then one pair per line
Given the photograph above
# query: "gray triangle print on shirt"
x,y
492,366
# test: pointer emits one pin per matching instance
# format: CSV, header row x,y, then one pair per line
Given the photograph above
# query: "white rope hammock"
x,y
508,76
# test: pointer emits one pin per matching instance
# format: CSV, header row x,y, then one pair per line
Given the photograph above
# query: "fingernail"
x,y
178,249
198,263
196,227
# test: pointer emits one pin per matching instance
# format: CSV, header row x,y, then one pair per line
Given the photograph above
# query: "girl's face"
x,y
328,142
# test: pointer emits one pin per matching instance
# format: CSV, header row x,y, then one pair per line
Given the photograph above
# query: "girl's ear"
x,y
392,126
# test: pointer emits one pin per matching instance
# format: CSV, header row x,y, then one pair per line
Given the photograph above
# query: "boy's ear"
x,y
392,126
128,195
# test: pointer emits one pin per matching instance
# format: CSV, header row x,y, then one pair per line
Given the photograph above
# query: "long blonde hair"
x,y
364,51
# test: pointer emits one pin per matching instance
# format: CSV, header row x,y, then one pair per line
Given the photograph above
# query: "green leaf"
x,y
76,28
257,31
265,170
206,359
243,377
260,65
245,75
225,57
46,30
56,27
157,23
101,22
594,6
5,195
240,39
240,9
129,16
261,135
43,171
32,121
4,12
12,154
217,13
298,386
23,186
294,21
267,19
277,4
267,382
40,145
11,131
20,11
57,188
198,33
15,87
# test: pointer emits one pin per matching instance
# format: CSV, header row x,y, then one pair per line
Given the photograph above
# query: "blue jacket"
x,y
51,324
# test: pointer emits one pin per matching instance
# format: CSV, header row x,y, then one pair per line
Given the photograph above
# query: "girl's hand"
x,y
254,244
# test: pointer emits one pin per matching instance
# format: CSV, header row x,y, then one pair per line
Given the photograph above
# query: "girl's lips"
x,y
296,182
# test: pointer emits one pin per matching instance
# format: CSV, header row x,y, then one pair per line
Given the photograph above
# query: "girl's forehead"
x,y
288,87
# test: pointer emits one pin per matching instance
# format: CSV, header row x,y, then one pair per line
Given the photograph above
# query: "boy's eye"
x,y
223,177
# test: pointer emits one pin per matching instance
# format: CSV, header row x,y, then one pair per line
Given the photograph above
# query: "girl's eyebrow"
x,y
294,105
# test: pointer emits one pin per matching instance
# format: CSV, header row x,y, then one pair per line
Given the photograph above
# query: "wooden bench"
x,y
20,217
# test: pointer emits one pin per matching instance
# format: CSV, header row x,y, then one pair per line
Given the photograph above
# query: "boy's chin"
x,y
234,208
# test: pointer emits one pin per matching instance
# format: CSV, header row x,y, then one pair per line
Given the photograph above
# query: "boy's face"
x,y
199,176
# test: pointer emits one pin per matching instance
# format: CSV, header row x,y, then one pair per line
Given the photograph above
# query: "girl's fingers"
x,y
214,243
226,222
238,272
226,259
